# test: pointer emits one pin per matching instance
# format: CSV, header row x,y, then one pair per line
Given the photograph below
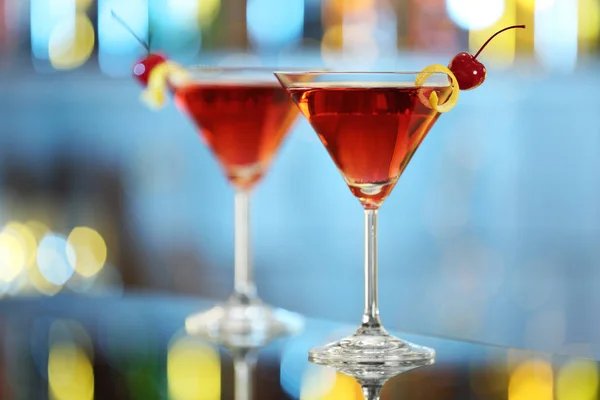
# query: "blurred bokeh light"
x,y
13,254
327,384
70,364
561,31
532,379
53,259
89,251
193,370
273,24
71,42
36,261
475,15
577,380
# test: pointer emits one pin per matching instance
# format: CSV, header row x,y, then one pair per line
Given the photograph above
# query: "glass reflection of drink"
x,y
371,125
242,115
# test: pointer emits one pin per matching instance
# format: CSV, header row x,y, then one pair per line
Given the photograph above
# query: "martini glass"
x,y
371,125
242,115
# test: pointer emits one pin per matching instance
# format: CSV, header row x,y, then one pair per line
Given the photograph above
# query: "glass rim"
x,y
361,80
217,68
314,72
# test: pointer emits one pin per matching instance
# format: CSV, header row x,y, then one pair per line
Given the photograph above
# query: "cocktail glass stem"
x,y
371,320
243,320
371,392
371,345
244,287
243,367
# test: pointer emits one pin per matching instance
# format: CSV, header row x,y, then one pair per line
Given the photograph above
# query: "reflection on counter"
x,y
135,348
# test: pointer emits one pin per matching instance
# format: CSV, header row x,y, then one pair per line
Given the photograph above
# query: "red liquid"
x,y
243,124
370,133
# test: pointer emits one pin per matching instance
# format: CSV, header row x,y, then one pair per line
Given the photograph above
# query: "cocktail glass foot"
x,y
370,348
244,322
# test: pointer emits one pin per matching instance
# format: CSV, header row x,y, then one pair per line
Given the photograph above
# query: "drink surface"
x,y
371,132
242,123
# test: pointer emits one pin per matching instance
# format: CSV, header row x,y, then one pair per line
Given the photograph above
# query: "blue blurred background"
x,y
492,234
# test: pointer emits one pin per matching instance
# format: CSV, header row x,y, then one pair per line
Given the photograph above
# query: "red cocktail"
x,y
243,124
371,133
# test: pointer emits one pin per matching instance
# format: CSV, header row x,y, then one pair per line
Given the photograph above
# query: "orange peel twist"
x,y
434,100
155,95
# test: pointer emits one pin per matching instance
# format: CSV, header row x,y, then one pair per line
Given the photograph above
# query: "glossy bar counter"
x,y
135,347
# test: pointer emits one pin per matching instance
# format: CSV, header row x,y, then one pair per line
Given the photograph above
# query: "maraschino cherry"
x,y
469,72
144,66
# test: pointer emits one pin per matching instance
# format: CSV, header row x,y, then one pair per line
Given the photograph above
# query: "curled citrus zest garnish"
x,y
155,95
433,101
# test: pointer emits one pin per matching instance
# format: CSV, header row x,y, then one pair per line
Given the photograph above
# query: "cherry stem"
x,y
128,28
496,34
